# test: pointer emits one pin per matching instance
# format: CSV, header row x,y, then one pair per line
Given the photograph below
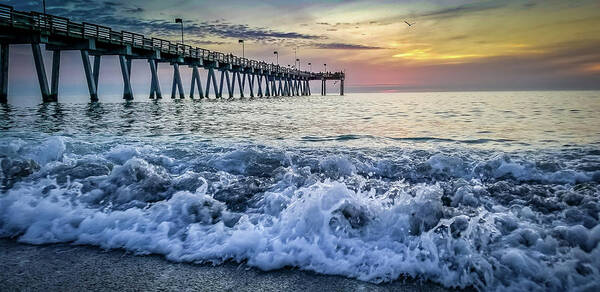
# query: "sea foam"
x,y
495,221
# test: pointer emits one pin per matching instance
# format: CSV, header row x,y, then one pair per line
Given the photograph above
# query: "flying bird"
x,y
409,24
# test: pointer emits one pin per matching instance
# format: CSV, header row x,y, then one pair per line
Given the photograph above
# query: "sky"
x,y
451,45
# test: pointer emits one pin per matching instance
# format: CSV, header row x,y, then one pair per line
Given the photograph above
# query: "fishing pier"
x,y
60,34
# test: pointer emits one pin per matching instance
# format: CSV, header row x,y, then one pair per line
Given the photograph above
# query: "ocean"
x,y
491,190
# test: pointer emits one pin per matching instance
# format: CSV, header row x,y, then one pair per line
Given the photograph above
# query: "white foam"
x,y
323,223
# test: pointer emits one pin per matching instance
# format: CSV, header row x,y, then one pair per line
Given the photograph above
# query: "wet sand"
x,y
61,267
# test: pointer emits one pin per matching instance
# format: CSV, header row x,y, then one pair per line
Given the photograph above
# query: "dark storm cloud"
x,y
342,46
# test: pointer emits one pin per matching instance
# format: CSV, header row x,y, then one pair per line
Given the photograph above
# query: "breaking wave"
x,y
459,217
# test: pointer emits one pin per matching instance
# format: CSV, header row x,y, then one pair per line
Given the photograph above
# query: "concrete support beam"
x,y
89,75
233,78
221,84
154,83
306,87
241,83
211,79
267,86
55,75
259,93
4,50
97,59
127,92
229,85
280,89
128,63
225,77
251,84
196,81
41,71
177,85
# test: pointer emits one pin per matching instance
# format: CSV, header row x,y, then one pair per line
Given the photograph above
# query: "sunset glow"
x,y
451,44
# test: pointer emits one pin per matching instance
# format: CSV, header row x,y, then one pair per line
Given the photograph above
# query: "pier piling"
x,y
4,72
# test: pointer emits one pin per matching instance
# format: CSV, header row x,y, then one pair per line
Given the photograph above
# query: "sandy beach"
x,y
61,267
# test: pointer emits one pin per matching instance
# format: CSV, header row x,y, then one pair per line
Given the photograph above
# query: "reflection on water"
x,y
505,119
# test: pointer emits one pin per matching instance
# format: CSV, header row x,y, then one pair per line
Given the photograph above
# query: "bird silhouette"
x,y
409,24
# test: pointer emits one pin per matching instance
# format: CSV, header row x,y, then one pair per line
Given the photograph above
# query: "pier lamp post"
x,y
298,60
179,20
309,66
325,67
277,54
243,49
44,3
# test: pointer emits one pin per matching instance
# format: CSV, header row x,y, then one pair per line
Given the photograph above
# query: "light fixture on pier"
x,y
179,20
298,60
243,49
276,53
309,66
325,67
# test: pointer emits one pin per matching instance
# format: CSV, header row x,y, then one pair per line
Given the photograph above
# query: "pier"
x,y
224,71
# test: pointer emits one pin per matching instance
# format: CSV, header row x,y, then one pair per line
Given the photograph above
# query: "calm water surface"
x,y
496,190
500,119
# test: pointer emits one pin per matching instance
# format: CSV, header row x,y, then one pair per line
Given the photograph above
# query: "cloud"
x,y
111,14
463,9
342,46
206,42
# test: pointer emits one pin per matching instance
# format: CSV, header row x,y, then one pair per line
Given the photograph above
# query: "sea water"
x,y
494,190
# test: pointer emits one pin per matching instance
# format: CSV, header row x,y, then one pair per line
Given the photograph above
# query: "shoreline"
x,y
66,267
